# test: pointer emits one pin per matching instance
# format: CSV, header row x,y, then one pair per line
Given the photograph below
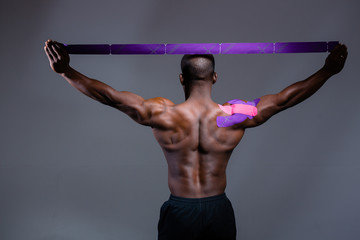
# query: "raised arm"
x,y
269,105
140,110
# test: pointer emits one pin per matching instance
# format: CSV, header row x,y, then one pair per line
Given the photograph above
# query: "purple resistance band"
x,y
201,48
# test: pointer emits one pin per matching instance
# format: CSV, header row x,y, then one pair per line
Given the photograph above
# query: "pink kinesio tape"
x,y
239,111
239,108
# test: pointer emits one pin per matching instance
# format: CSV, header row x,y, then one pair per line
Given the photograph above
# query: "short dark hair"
x,y
197,66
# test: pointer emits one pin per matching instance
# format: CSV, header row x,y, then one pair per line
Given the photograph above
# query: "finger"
x,y
55,53
51,52
58,50
48,53
49,42
336,48
48,45
48,50
345,48
62,49
343,52
340,48
340,51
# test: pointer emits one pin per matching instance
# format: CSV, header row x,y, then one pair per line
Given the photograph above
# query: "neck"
x,y
198,90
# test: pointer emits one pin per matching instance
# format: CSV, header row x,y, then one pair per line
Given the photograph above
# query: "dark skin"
x,y
196,150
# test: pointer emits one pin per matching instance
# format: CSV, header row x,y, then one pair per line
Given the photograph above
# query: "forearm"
x,y
90,87
302,90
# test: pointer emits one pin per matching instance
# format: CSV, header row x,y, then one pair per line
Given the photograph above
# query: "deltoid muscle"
x,y
239,111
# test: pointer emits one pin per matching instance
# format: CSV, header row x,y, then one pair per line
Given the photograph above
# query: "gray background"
x,y
72,168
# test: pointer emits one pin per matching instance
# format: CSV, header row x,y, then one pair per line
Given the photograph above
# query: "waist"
x,y
190,188
173,198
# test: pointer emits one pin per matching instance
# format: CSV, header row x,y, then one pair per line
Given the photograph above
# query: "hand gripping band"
x,y
201,48
239,111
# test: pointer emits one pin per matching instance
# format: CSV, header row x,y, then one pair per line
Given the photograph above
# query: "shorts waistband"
x,y
197,200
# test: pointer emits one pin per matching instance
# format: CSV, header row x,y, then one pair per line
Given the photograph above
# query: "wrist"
x,y
326,72
68,72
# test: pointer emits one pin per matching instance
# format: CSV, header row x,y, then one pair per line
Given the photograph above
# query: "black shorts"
x,y
210,218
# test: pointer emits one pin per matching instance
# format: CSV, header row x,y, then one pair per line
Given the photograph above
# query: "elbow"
x,y
287,100
282,102
100,98
99,94
106,101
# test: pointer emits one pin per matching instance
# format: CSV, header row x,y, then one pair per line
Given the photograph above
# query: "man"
x,y
196,145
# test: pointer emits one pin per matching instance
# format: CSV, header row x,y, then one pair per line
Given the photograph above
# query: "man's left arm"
x,y
140,110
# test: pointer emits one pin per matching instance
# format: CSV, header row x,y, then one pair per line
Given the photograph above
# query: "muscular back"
x,y
196,149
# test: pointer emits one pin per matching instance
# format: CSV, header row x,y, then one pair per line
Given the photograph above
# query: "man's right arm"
x,y
270,105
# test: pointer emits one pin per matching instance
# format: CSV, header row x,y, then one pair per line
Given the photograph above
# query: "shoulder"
x,y
158,101
225,104
158,105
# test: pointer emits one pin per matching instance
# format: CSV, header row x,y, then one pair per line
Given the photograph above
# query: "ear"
x,y
215,76
181,77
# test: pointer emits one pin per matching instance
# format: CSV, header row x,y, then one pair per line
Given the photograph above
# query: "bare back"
x,y
196,149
